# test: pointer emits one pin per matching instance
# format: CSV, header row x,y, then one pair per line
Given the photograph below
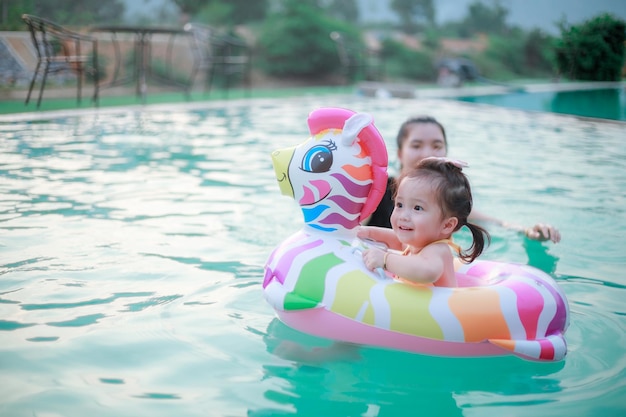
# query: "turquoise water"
x,y
132,245
609,103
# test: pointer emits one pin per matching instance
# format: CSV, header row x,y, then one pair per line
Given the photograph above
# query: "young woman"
x,y
424,136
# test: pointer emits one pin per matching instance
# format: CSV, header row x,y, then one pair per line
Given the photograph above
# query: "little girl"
x,y
432,201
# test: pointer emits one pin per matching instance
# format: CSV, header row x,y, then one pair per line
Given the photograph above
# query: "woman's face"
x,y
422,140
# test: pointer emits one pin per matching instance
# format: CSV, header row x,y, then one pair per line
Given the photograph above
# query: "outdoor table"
x,y
142,70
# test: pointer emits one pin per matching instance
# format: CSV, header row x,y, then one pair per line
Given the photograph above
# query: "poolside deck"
x,y
63,98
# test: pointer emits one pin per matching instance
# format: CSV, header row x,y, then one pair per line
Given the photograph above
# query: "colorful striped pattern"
x,y
350,183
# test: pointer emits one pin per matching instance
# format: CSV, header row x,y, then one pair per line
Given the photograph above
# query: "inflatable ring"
x,y
318,284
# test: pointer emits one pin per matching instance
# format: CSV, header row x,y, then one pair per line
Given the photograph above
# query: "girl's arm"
x,y
380,234
423,268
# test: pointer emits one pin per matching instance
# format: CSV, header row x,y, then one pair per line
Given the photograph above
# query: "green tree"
x,y
80,12
295,40
593,50
508,50
12,11
347,10
404,63
248,11
191,7
538,52
214,13
411,12
484,19
230,12
65,12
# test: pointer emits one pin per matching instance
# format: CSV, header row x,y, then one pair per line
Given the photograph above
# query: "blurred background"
x,y
414,41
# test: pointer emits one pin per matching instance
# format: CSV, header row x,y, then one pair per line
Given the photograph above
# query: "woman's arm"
x,y
540,231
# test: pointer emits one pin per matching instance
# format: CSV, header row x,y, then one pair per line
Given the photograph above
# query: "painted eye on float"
x,y
319,158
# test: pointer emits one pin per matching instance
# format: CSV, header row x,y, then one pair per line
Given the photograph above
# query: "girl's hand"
x,y
373,258
362,232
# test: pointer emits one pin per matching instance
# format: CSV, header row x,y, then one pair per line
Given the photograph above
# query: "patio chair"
x,y
356,60
219,56
59,49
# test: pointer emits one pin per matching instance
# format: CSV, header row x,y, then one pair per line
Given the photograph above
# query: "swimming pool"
x,y
606,103
132,245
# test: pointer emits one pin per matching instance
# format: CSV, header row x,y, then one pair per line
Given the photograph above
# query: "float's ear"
x,y
353,126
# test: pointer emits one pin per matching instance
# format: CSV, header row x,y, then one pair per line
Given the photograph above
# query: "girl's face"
x,y
417,219
422,140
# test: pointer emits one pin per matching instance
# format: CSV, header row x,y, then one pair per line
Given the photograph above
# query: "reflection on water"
x,y
433,385
540,257
132,246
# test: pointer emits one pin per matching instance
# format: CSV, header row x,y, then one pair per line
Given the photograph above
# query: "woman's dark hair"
x,y
454,195
404,128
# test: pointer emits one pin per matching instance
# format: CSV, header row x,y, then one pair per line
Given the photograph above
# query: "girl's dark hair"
x,y
404,128
454,195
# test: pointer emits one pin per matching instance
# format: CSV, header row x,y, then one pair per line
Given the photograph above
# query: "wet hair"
x,y
404,129
454,195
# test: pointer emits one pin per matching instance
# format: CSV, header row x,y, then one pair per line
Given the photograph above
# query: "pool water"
x,y
132,245
607,103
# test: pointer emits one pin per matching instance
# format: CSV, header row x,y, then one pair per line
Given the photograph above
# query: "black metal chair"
x,y
59,49
356,60
218,55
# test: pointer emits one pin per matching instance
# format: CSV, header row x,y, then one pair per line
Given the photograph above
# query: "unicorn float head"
x,y
338,176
